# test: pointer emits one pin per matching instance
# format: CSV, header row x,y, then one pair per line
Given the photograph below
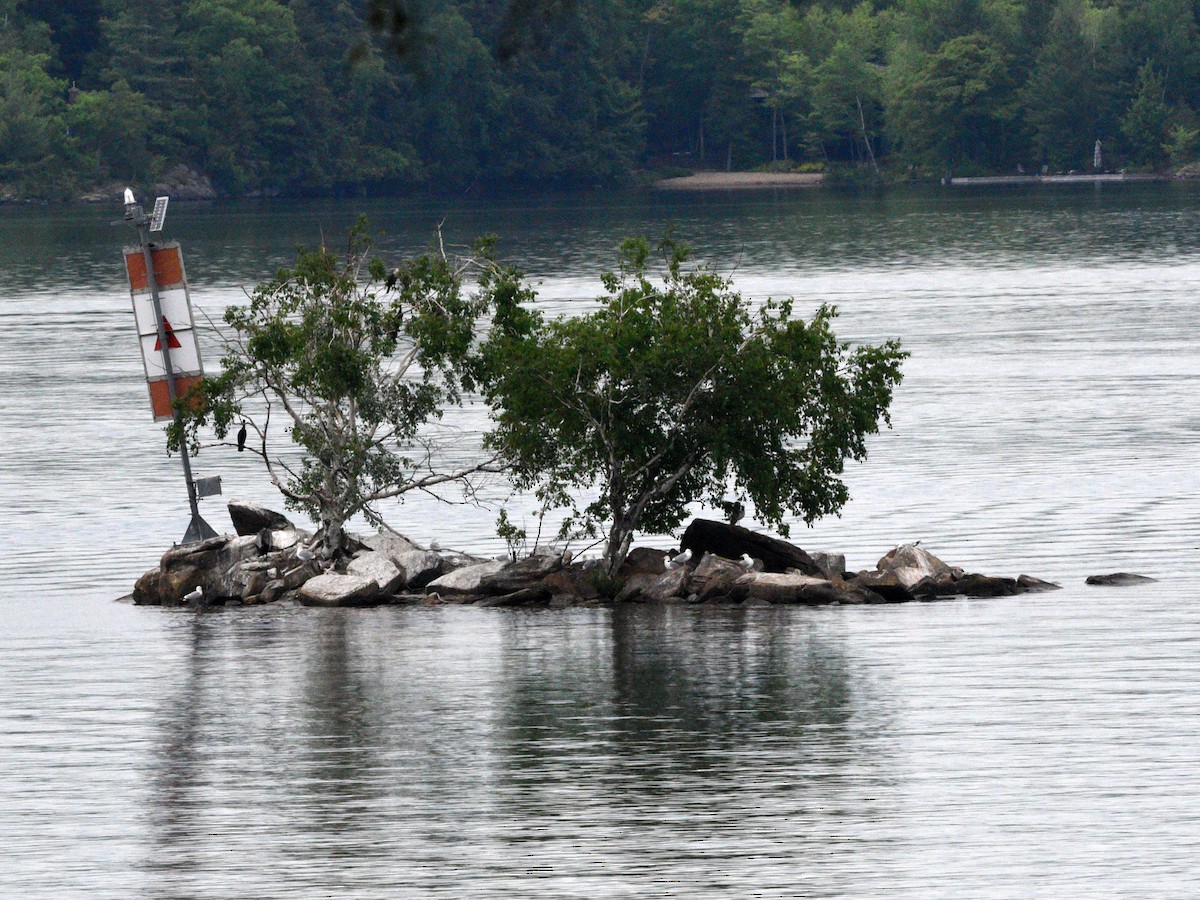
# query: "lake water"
x,y
1044,745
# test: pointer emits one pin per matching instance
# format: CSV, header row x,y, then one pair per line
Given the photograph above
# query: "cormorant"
x,y
242,438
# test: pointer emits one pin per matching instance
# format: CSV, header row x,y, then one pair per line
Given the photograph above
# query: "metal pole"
x,y
198,529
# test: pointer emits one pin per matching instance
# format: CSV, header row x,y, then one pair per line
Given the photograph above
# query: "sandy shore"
x,y
708,181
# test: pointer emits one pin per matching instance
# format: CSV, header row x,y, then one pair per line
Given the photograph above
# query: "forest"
x,y
315,97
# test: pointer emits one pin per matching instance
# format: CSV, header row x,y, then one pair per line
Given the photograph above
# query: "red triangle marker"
x,y
172,341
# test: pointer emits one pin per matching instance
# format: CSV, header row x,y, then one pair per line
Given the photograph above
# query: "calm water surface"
x,y
1044,745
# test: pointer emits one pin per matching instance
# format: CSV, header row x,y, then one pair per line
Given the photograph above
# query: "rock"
x,y
632,591
332,589
831,565
669,584
1033,585
976,585
716,578
419,567
251,518
467,580
910,564
777,587
574,581
932,587
390,544
1120,579
731,541
522,574
286,538
889,587
183,183
643,560
797,588
539,595
225,576
376,565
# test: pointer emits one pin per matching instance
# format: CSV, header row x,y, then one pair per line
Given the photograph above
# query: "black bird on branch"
x,y
242,438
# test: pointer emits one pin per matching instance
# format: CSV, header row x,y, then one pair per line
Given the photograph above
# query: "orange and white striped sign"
x,y
176,310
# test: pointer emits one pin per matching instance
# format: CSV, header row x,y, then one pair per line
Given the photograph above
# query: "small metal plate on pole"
x,y
208,487
159,213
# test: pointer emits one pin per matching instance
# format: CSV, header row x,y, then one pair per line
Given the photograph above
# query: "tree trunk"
x,y
862,121
620,536
774,134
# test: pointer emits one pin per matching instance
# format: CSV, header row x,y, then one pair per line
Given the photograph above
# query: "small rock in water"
x,y
1120,579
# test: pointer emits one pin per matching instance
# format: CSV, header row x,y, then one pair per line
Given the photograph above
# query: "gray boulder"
x,y
389,543
911,564
251,518
1036,585
1120,579
522,574
798,588
376,565
332,589
643,560
464,581
832,565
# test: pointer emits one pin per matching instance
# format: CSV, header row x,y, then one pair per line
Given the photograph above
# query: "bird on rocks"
x,y
752,564
241,438
679,560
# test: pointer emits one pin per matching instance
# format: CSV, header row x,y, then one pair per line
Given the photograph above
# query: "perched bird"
x,y
752,564
242,438
304,554
679,560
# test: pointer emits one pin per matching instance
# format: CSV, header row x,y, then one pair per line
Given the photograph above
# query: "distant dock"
x,y
735,181
991,180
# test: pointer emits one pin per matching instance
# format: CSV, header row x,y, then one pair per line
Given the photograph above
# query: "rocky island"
x,y
270,560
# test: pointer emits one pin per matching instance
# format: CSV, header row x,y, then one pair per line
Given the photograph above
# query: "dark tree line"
x,y
332,96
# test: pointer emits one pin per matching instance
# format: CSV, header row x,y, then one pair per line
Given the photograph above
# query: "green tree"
x,y
1145,123
32,129
357,363
672,393
1069,94
956,106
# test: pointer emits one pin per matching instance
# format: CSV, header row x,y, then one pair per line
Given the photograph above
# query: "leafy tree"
x,y
358,363
673,392
1145,124
956,105
32,130
1067,96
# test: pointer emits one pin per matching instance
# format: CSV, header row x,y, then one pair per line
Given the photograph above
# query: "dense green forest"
x,y
302,97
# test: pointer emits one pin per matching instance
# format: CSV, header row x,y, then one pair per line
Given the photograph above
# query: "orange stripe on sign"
x,y
168,267
160,394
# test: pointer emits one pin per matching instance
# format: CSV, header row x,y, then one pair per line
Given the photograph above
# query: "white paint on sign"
x,y
175,307
185,359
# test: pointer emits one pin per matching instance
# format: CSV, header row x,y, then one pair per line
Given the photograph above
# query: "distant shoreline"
x,y
1054,179
708,181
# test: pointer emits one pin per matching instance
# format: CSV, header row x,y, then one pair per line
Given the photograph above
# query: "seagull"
x,y
679,560
304,554
242,438
752,564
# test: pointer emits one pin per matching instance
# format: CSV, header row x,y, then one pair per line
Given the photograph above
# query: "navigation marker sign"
x,y
163,309
172,341
170,354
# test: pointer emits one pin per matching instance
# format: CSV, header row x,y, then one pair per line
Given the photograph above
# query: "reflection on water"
x,y
1040,745
400,749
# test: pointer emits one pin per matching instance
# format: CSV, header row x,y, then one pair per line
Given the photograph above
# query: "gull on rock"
x,y
677,561
752,564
